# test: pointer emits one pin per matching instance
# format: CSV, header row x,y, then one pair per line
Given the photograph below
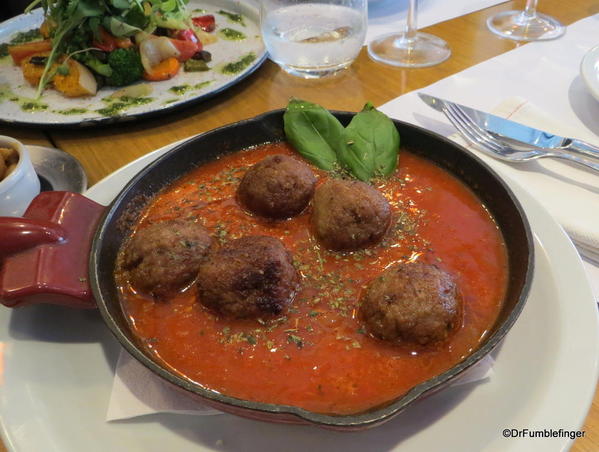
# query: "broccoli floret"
x,y
94,63
126,67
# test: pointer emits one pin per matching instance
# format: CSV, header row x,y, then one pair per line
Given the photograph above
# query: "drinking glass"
x,y
313,38
527,25
409,48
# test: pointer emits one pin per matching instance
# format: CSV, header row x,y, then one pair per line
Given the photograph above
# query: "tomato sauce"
x,y
318,355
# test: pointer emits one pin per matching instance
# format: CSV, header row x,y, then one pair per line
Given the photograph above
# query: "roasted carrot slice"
x,y
21,51
164,70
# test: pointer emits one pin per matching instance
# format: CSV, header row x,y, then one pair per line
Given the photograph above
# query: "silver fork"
x,y
503,148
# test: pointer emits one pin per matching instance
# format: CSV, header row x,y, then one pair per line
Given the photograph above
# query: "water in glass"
x,y
313,39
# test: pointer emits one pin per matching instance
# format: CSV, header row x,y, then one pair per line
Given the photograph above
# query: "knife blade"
x,y
502,127
516,134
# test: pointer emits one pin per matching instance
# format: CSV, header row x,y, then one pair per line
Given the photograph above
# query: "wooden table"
x,y
102,151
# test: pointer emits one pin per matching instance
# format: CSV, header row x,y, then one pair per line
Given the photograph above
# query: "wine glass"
x,y
409,48
527,25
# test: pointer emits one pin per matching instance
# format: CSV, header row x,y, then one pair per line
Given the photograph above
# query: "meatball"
x,y
164,257
248,277
411,302
349,215
277,187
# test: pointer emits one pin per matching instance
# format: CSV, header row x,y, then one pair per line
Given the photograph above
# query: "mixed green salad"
x,y
86,44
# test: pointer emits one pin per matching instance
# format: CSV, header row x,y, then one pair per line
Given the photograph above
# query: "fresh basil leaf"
x,y
370,144
314,132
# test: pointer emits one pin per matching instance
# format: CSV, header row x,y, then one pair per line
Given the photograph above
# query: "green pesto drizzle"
x,y
203,84
21,37
237,18
231,34
71,111
27,104
240,65
33,106
180,89
26,36
118,104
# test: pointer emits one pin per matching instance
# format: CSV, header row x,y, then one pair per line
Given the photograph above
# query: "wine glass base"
x,y
517,26
422,50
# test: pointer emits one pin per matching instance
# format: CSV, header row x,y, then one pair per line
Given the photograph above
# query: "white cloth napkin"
x,y
388,16
546,74
136,391
569,192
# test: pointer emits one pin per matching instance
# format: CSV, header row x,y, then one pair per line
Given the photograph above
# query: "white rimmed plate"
x,y
589,71
164,99
58,369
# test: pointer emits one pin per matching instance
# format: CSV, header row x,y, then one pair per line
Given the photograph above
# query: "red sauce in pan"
x,y
317,355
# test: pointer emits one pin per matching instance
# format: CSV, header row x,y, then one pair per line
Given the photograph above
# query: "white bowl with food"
x,y
19,183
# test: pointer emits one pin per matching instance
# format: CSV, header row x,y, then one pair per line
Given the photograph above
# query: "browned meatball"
x,y
349,215
277,187
248,277
412,302
164,257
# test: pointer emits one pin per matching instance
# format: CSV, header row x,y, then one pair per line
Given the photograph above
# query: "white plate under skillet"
x,y
18,107
57,368
589,71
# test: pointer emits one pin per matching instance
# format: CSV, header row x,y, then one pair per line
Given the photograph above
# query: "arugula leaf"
x,y
314,132
370,144
136,18
168,6
121,4
119,28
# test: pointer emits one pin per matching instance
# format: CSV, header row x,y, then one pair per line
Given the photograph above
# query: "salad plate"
x,y
237,52
58,368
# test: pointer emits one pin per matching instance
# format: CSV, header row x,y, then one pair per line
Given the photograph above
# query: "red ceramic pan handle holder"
x,y
44,255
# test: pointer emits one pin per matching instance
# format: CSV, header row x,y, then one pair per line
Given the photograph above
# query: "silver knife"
x,y
520,136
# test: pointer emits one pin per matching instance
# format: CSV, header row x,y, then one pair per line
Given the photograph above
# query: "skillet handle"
x,y
44,255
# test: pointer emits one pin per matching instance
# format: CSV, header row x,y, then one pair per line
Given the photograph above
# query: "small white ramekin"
x,y
21,186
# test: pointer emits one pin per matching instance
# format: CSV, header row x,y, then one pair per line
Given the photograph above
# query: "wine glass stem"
x,y
530,10
411,26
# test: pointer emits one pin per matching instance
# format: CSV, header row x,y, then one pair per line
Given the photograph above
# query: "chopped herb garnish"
x,y
296,340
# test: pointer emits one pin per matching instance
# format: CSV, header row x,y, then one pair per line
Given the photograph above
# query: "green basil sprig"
x,y
314,132
368,147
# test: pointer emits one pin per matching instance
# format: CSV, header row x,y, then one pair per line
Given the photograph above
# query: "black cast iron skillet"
x,y
115,224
